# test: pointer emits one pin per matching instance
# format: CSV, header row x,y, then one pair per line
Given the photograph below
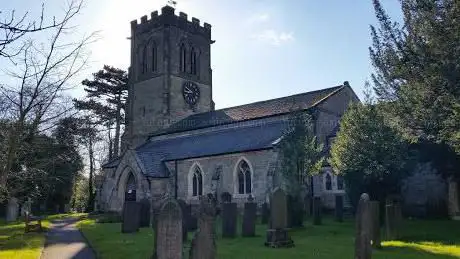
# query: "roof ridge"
x,y
269,100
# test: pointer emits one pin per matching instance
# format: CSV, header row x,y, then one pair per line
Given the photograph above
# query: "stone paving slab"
x,y
64,241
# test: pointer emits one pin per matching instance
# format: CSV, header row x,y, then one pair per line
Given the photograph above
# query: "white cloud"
x,y
260,17
274,37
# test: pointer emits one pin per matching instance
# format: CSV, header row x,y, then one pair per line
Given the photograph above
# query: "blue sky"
x,y
264,48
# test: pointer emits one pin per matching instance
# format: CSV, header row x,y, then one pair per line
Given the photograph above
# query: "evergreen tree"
x,y
107,94
370,154
417,73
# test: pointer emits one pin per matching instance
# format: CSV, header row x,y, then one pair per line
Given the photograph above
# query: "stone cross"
x,y
375,223
363,248
131,217
317,210
249,218
168,234
339,208
204,242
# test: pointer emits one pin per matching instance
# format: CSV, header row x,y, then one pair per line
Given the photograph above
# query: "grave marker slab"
x,y
277,235
249,219
339,208
12,210
186,214
168,234
145,213
375,223
204,242
229,219
317,210
363,248
131,217
265,213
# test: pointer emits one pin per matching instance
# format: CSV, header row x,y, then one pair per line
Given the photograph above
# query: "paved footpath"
x,y
64,241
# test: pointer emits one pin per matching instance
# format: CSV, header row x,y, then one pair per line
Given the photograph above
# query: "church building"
x,y
176,144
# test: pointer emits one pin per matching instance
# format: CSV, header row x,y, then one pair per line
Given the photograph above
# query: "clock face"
x,y
191,92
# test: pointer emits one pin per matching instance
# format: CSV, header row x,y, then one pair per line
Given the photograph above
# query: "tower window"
x,y
144,60
183,58
244,178
193,64
154,57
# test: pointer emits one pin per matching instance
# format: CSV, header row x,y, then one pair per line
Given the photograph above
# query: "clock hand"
x,y
187,91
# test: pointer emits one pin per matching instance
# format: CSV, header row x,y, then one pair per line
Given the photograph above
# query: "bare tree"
x,y
13,27
43,72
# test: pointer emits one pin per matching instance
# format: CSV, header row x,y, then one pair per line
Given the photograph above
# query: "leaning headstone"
x,y
229,219
317,210
265,213
204,242
339,208
249,218
131,217
145,213
277,235
375,223
363,248
12,210
186,214
168,234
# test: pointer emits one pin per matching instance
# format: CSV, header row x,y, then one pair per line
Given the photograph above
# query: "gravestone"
x,y
308,205
131,217
295,212
393,218
12,210
186,214
168,234
265,213
204,242
375,223
339,208
145,213
249,218
26,208
363,248
317,210
226,197
229,219
277,235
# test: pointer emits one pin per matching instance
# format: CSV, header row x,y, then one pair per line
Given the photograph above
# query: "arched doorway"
x,y
130,190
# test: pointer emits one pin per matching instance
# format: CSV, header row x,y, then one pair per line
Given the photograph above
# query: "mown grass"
x,y
15,244
419,240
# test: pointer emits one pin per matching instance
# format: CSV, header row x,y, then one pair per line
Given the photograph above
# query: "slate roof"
x,y
251,111
255,136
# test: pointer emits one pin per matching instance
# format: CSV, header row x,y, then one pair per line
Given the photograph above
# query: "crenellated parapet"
x,y
169,18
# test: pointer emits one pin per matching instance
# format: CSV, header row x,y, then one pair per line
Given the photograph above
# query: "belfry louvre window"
x,y
193,64
183,58
197,182
154,57
244,178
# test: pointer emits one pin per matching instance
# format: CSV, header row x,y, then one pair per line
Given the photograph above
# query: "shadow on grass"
x,y
437,250
13,237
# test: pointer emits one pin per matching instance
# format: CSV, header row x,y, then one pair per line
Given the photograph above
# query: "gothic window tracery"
x,y
244,178
197,182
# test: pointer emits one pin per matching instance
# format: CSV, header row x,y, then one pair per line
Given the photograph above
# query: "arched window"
x,y
328,182
154,57
193,64
339,182
244,178
197,182
183,58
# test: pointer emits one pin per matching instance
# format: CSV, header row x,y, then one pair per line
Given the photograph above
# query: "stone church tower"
x,y
170,73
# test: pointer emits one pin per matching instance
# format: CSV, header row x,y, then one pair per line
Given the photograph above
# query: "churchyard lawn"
x,y
419,240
